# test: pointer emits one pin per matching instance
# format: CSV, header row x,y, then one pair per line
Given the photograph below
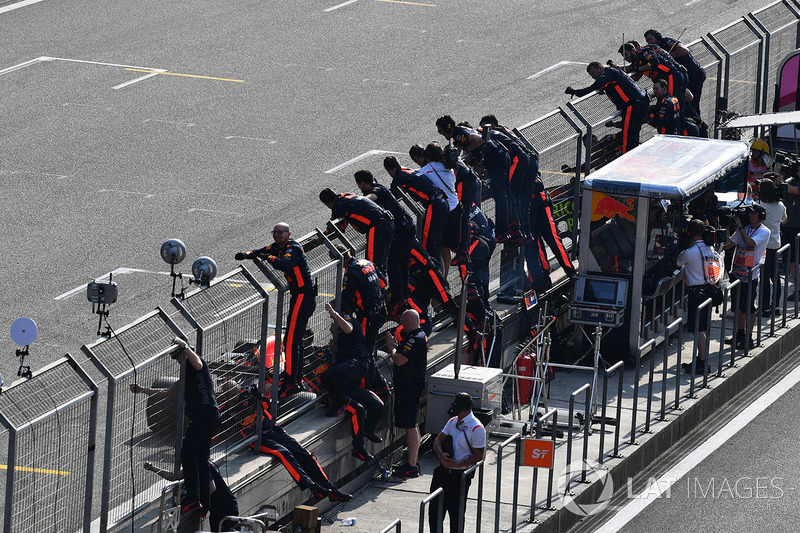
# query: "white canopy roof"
x,y
668,166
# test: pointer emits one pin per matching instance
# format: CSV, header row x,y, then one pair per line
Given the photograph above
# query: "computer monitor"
x,y
601,291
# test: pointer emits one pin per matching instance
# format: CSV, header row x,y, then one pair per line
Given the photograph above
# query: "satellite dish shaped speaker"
x,y
24,331
204,269
173,251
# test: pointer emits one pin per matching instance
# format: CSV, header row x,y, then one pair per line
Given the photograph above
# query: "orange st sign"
x,y
538,453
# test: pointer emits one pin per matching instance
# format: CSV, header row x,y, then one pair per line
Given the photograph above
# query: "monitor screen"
x,y
600,291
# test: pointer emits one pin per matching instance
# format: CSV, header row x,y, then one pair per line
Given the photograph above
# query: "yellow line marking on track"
x,y
558,173
409,3
186,75
38,470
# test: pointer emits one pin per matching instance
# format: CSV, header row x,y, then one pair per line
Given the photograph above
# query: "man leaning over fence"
x,y
286,255
628,98
203,412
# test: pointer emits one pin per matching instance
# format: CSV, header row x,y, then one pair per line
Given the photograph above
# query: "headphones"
x,y
461,402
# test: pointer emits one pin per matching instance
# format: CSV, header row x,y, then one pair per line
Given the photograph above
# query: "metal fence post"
x,y
587,389
619,366
513,438
396,525
696,347
438,495
643,349
676,324
462,508
539,422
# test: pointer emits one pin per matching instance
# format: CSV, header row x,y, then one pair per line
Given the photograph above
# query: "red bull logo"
x,y
604,206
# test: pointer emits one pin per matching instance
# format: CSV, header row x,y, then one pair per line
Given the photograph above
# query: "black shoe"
x,y
406,470
373,437
318,492
750,344
338,496
361,454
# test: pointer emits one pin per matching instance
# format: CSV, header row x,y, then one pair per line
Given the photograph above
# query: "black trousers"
x,y
299,462
450,482
301,307
195,451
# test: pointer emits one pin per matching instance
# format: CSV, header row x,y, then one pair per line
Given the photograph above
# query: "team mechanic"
x,y
498,165
344,381
410,356
655,63
367,218
286,255
422,190
628,98
405,233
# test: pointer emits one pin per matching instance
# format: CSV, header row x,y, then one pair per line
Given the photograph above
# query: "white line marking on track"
x,y
187,124
357,159
136,80
739,422
106,277
326,69
18,5
548,69
65,104
690,3
403,83
23,65
128,192
270,141
101,63
340,5
194,209
48,174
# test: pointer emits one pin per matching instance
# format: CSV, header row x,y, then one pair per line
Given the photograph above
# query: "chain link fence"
x,y
778,23
143,415
742,49
230,317
48,427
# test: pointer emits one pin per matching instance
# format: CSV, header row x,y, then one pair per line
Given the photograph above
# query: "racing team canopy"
x,y
763,119
668,166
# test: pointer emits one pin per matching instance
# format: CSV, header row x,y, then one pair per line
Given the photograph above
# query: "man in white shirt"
x,y
702,268
468,444
751,246
445,180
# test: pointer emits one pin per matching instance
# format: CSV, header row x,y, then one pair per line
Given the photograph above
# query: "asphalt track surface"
x,y
736,472
101,159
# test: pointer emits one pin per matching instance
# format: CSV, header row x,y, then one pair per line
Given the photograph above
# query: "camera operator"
x,y
700,279
751,244
776,215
